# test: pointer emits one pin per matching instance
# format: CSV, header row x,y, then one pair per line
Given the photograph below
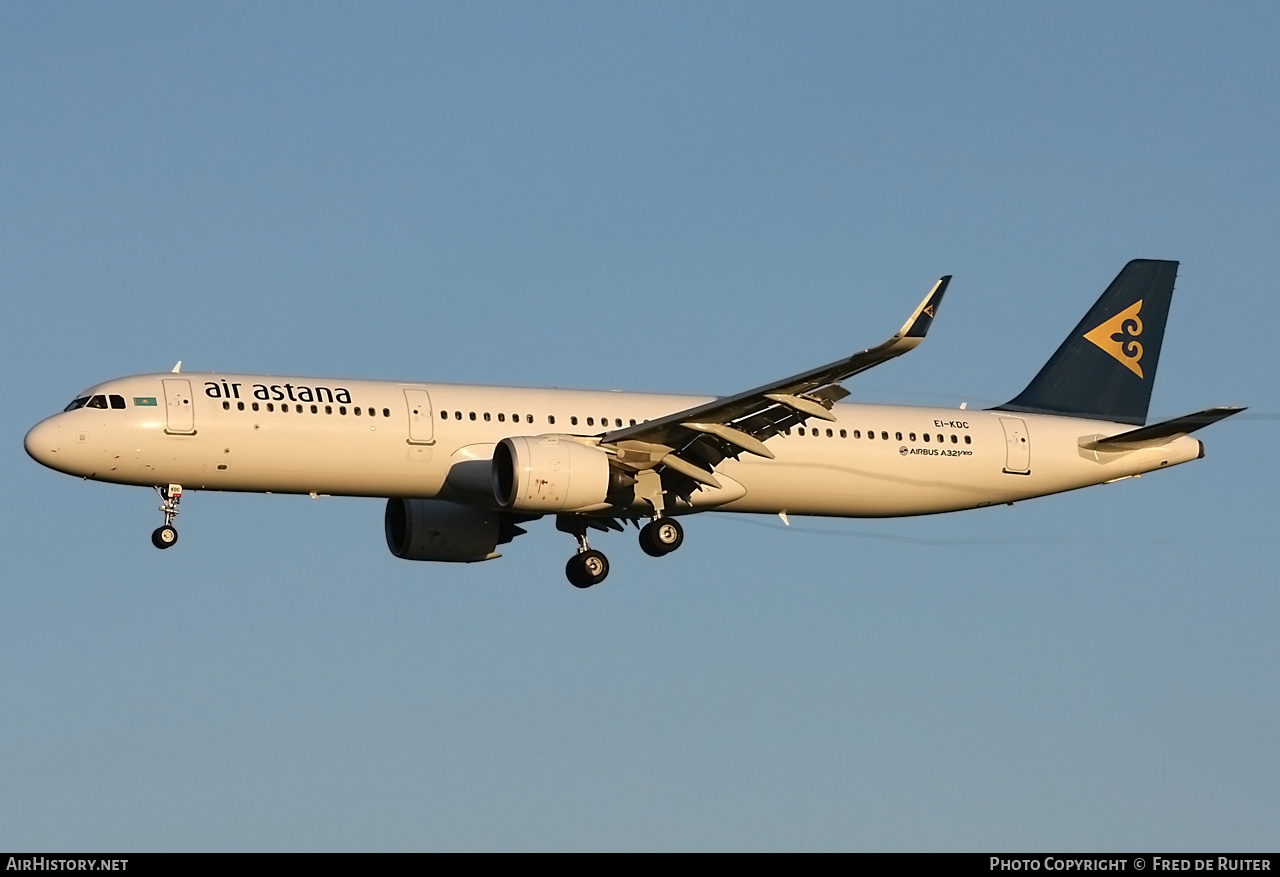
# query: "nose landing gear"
x,y
166,536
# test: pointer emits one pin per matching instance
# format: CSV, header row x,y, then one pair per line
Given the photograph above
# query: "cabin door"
x,y
1017,446
422,422
180,416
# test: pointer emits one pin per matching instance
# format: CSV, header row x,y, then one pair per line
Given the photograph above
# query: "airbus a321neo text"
x,y
464,467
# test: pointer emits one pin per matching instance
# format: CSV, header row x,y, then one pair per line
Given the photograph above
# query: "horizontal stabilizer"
x,y
1161,433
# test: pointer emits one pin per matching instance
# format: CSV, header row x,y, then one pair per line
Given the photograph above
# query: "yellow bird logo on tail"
x,y
1120,337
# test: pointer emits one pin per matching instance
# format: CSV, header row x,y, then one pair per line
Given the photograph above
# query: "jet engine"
x,y
432,529
555,474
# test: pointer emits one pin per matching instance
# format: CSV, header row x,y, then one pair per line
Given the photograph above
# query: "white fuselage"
x,y
391,439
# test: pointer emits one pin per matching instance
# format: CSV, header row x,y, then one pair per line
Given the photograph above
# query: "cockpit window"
x,y
97,402
77,403
117,401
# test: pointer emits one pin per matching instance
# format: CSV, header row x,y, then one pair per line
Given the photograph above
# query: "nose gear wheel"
x,y
164,537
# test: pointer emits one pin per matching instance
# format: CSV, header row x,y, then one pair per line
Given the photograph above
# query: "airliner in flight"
x,y
463,467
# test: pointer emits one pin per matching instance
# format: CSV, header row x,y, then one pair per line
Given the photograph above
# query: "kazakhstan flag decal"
x,y
144,401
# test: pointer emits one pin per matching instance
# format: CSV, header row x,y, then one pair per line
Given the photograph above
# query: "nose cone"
x,y
42,443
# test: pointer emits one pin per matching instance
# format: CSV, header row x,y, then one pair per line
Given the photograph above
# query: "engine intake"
x,y
554,474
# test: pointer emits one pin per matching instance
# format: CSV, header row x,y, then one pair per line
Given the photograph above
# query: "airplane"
x,y
463,468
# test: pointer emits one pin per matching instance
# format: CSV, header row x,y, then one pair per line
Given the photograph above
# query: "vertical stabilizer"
x,y
1107,366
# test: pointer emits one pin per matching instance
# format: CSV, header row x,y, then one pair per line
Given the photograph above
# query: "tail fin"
x,y
1107,366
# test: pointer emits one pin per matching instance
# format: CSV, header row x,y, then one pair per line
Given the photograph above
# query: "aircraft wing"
x,y
692,442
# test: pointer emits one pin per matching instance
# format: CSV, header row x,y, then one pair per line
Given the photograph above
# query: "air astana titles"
x,y
278,392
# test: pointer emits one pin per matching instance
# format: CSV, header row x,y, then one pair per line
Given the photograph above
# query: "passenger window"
x,y
444,415
617,421
830,434
843,434
255,406
897,436
954,440
226,406
591,421
239,406
884,434
328,409
386,412
98,402
800,430
315,410
633,421
271,406
871,433
912,436
551,419
472,415
356,411
502,418
342,409
486,417
77,403
528,418
968,440
299,407
926,436
117,401
457,415
574,420
857,433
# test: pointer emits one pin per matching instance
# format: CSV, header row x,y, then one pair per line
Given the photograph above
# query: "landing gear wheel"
x,y
587,568
164,537
661,536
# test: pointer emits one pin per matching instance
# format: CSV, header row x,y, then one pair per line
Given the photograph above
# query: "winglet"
x,y
918,325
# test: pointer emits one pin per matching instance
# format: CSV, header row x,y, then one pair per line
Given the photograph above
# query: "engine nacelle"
x,y
553,474
432,529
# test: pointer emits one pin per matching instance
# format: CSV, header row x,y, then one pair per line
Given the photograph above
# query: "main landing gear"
x,y
165,536
661,536
589,567
586,568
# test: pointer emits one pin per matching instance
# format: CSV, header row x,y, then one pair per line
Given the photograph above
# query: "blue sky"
x,y
672,197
